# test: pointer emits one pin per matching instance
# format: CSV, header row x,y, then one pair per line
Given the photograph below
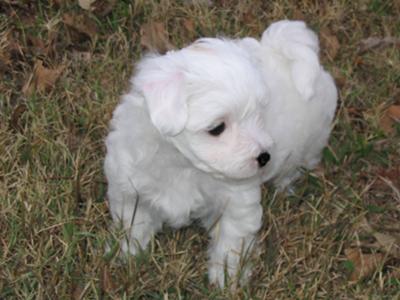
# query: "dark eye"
x,y
217,130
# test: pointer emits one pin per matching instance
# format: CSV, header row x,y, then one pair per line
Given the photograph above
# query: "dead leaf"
x,y
330,43
103,8
189,26
375,42
298,15
340,79
5,60
38,45
58,3
364,264
81,23
391,174
77,292
355,112
154,37
389,244
358,61
390,117
249,17
42,78
10,48
16,117
86,4
107,283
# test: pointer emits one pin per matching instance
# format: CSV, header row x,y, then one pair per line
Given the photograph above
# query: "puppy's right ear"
x,y
161,81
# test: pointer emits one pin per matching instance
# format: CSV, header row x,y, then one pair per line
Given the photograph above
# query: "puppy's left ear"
x,y
161,81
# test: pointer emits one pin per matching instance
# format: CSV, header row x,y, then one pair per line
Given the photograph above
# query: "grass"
x,y
53,211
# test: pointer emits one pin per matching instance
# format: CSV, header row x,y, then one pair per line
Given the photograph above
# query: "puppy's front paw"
x,y
222,274
131,247
216,274
121,249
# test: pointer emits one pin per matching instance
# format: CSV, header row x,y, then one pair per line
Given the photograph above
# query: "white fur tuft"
x,y
300,46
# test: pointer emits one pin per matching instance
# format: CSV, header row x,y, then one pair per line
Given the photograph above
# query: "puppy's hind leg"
x,y
136,220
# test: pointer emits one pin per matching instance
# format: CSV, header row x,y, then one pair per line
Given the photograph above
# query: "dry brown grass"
x,y
62,70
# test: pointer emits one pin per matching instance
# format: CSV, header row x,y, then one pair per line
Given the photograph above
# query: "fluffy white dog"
x,y
203,127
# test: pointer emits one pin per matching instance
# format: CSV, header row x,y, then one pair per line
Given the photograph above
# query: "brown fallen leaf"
x,y
389,118
5,60
107,284
38,45
248,16
77,292
330,43
364,264
340,78
391,174
388,243
298,15
86,4
103,8
355,112
42,79
15,121
154,37
359,61
375,42
189,26
81,23
57,3
10,49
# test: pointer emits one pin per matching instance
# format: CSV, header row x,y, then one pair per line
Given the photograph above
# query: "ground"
x,y
63,65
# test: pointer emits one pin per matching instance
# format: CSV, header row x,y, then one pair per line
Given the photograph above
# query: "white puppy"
x,y
203,127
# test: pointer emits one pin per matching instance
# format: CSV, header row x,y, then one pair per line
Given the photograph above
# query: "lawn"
x,y
63,66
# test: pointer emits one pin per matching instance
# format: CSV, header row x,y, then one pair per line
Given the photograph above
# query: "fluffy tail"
x,y
300,46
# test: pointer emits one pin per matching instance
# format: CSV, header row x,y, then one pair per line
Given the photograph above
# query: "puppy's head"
x,y
208,100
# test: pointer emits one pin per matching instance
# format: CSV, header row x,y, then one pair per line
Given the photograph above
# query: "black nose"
x,y
263,158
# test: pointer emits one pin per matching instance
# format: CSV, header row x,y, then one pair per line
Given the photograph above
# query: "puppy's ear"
x,y
161,81
299,45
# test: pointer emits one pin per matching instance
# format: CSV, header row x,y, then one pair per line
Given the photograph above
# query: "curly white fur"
x,y
163,165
